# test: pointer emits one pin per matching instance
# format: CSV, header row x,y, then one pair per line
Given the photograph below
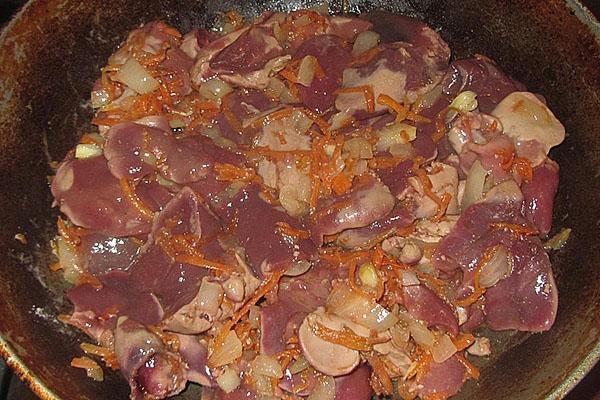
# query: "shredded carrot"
x,y
341,183
169,30
365,57
442,202
472,370
229,115
199,261
108,356
105,121
523,168
264,288
507,158
515,228
55,266
288,230
86,278
385,162
422,365
440,125
463,341
383,383
346,337
84,363
399,109
129,192
366,90
87,139
230,172
477,289
71,234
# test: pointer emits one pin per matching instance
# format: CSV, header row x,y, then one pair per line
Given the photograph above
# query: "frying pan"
x,y
50,55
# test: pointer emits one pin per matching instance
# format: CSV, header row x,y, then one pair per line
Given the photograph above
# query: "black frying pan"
x,y
50,55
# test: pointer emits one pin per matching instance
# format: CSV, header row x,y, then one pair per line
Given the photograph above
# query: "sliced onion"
x,y
306,70
474,184
299,365
497,268
68,259
395,133
339,120
481,347
275,87
443,349
409,278
228,352
400,334
421,334
100,98
298,268
351,305
263,385
267,366
87,150
229,380
135,76
325,390
507,191
290,200
402,150
465,101
559,240
214,89
358,148
368,275
365,41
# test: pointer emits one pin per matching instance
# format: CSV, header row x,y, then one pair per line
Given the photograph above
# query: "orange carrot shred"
x,y
199,261
515,228
478,291
366,90
341,183
129,192
523,168
472,370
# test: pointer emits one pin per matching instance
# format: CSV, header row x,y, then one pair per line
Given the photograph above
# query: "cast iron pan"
x,y
50,55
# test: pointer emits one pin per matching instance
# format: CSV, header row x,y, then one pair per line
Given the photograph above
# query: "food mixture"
x,y
305,206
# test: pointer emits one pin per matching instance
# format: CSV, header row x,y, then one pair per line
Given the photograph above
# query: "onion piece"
x,y
92,369
228,352
267,366
402,150
358,148
68,259
306,70
368,275
395,133
409,278
135,76
100,98
229,380
365,41
443,349
87,150
474,184
325,390
299,365
214,89
357,308
465,101
558,241
497,268
298,268
421,334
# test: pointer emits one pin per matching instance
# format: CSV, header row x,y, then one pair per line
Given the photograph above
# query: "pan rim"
x,y
39,387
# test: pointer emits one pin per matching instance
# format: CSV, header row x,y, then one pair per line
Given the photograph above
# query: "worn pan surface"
x,y
51,52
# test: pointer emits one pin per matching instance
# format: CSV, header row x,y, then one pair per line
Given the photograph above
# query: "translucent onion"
x,y
396,133
267,366
559,240
465,101
402,150
298,268
368,275
497,268
87,150
263,385
291,202
229,380
254,316
228,352
443,349
299,365
325,390
275,87
100,98
306,70
409,278
474,184
68,259
214,89
358,148
135,76
421,334
365,41
339,120
352,305
400,334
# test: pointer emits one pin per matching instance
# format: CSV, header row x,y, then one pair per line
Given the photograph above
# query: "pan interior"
x,y
50,56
